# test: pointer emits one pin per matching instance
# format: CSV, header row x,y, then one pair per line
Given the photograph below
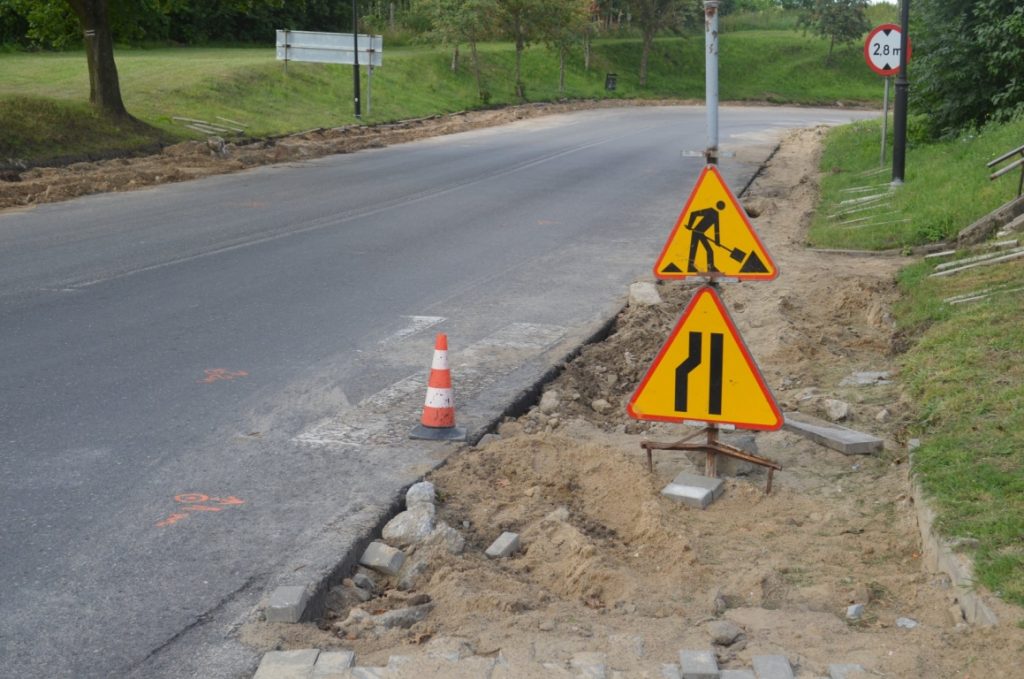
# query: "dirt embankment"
x,y
607,560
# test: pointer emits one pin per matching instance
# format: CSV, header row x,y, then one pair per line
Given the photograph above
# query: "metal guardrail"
x,y
1015,164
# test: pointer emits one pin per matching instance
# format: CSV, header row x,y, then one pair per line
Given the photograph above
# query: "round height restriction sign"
x,y
882,49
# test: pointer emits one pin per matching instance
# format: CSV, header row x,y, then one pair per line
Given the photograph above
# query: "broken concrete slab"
x,y
846,441
693,490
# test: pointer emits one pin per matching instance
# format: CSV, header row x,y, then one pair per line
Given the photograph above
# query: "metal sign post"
x,y
355,53
711,78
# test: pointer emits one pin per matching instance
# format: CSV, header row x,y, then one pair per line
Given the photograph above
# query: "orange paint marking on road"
x,y
229,500
194,502
171,520
217,374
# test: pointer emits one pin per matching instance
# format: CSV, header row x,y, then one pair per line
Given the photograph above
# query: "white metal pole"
x,y
711,77
885,120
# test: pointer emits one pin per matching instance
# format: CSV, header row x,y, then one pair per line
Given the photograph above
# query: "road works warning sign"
x,y
705,373
713,235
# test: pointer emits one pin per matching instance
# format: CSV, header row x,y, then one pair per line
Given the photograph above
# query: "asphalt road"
x,y
206,387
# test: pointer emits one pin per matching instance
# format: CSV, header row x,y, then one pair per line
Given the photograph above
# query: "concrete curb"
x,y
939,555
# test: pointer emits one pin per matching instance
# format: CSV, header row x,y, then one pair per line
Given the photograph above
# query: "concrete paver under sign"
x,y
691,489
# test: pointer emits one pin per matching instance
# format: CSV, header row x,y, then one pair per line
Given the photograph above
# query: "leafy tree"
x,y
654,16
523,22
968,62
462,21
841,21
566,24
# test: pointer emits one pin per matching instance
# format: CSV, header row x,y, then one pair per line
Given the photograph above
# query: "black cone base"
x,y
437,433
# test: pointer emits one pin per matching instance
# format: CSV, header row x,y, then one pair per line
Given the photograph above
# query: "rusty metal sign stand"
x,y
712,448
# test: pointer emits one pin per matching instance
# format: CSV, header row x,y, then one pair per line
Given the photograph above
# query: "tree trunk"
x,y
104,86
831,44
586,52
455,58
561,70
476,69
645,52
520,46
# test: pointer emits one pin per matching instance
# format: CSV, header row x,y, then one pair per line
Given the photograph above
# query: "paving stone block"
x,y
287,664
737,674
506,545
844,671
333,665
590,665
286,604
694,490
698,665
846,441
670,671
383,558
370,673
772,667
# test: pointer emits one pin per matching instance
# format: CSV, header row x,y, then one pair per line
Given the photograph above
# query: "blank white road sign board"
x,y
328,48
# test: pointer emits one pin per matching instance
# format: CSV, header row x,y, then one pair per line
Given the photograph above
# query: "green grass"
x,y
249,85
964,363
947,186
966,376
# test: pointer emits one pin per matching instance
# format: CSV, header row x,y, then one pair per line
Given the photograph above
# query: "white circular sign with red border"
x,y
882,49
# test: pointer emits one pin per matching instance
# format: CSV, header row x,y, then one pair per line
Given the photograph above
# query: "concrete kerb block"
x,y
693,490
287,604
846,441
698,665
507,544
772,667
287,664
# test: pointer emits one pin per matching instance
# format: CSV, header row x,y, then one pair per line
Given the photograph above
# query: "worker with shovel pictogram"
x,y
700,222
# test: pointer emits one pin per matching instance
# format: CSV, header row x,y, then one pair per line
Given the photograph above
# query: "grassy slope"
x,y
250,86
965,365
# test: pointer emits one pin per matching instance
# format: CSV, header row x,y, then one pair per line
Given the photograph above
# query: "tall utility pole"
x,y
711,78
355,54
899,122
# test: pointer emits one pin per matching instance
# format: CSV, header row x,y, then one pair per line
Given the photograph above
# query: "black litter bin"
x,y
609,81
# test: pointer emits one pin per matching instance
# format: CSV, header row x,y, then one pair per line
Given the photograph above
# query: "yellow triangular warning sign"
x,y
705,373
713,235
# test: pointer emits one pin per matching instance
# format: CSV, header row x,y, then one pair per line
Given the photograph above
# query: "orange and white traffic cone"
x,y
438,421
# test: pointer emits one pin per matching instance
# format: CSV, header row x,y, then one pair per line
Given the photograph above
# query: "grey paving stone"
x,y
383,558
772,667
844,670
287,664
694,490
846,441
738,674
698,665
590,665
670,671
506,545
286,604
333,665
